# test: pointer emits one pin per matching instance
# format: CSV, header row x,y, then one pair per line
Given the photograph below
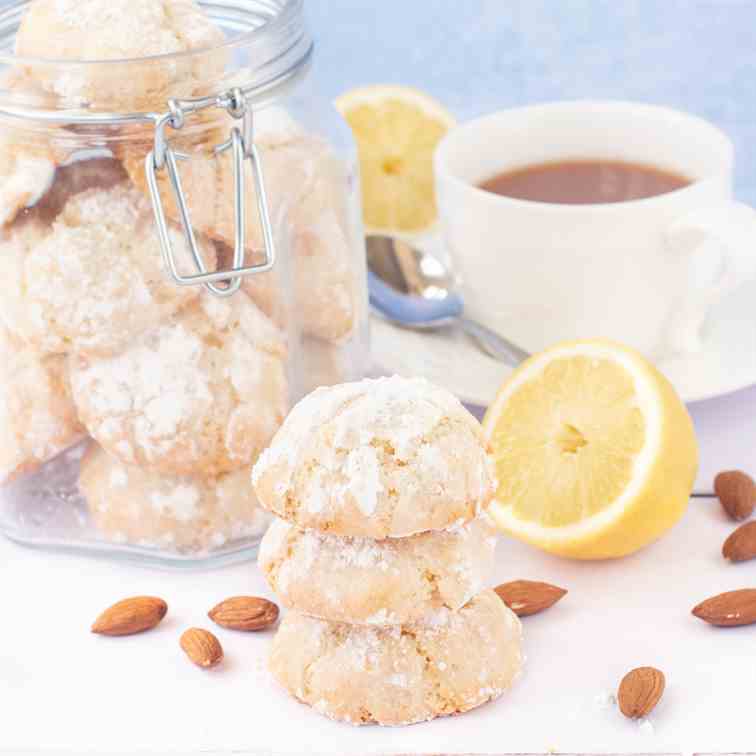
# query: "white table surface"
x,y
62,688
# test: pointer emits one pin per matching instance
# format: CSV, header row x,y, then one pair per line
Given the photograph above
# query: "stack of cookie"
x,y
382,553
180,390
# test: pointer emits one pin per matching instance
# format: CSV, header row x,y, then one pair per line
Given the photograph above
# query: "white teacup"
x,y
644,272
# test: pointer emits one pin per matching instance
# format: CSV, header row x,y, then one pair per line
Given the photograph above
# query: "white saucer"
x,y
726,363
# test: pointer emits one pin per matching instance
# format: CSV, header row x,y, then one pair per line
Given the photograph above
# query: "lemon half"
x,y
396,130
595,453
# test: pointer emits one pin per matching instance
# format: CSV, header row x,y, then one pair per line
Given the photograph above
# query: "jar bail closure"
x,y
243,149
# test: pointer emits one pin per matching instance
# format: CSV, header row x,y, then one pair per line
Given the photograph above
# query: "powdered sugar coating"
x,y
382,458
97,279
30,229
402,674
37,415
362,581
185,513
201,393
121,30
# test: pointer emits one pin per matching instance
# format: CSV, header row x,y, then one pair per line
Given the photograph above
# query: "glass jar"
x,y
183,258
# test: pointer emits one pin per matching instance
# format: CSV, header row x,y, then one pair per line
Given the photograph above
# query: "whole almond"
x,y
132,615
526,597
640,691
741,545
737,493
730,609
202,647
244,613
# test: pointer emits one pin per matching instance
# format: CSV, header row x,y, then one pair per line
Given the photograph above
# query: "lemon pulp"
x,y
595,454
396,130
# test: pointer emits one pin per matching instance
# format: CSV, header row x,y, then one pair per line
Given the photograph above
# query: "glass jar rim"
x,y
275,29
281,12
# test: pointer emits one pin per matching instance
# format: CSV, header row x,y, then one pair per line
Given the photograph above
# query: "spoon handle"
x,y
493,344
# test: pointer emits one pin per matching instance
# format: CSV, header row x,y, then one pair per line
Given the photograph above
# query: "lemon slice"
x,y
396,130
595,453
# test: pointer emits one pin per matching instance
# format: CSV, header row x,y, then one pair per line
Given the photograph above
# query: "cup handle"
x,y
720,243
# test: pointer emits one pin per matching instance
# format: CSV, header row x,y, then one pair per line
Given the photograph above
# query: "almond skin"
x,y
526,597
248,613
202,647
640,691
731,609
737,493
741,545
132,615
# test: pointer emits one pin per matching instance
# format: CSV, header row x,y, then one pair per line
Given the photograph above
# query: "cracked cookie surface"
x,y
388,582
400,675
200,394
96,280
383,458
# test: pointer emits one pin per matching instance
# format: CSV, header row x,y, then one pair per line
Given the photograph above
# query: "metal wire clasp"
x,y
242,146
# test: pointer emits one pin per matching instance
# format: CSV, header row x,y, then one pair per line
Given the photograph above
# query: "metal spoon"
x,y
413,289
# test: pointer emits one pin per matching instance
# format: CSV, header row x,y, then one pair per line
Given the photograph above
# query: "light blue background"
x,y
481,55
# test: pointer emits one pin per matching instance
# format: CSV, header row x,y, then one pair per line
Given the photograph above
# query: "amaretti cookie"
x,y
97,280
78,174
207,178
28,157
322,292
16,244
307,178
26,173
134,505
304,178
38,418
400,675
382,458
201,393
388,582
323,281
115,33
